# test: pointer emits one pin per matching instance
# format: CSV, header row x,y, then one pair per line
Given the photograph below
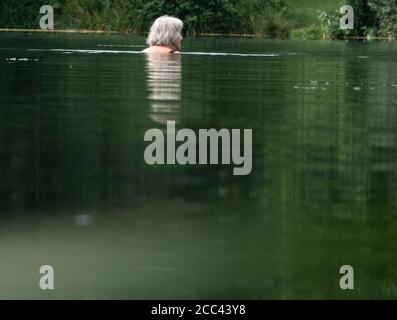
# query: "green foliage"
x,y
211,16
365,19
371,18
271,18
329,25
199,16
99,14
263,17
19,14
276,28
82,14
386,13
222,16
310,33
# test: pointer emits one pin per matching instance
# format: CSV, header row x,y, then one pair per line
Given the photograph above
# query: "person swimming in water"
x,y
165,36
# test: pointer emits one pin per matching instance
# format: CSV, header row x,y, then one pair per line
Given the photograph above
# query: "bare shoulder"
x,y
156,49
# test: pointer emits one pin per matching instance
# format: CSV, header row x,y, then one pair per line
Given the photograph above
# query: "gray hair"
x,y
164,31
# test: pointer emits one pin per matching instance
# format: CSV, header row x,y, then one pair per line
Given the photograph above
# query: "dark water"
x,y
75,192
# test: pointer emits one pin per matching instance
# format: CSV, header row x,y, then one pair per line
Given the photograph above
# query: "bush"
x,y
19,14
272,18
263,17
310,33
80,14
276,28
371,17
330,25
386,14
98,14
218,16
365,19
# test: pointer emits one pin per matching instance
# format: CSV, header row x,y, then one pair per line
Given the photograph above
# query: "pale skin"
x,y
165,49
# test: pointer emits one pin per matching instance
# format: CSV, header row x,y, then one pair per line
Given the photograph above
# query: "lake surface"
x,y
76,193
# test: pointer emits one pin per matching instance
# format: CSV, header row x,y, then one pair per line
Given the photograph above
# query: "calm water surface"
x,y
76,193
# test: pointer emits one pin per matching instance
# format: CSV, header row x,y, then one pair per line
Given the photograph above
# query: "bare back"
x,y
159,49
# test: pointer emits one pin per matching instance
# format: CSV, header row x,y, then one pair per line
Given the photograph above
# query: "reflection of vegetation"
x,y
323,183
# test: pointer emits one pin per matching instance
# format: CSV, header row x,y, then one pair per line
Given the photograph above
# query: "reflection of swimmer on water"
x,y
164,70
164,86
165,36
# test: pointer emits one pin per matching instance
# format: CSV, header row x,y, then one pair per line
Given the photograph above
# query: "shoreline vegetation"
x,y
274,19
58,31
201,34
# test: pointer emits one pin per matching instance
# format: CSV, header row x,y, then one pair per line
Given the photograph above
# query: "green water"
x,y
76,193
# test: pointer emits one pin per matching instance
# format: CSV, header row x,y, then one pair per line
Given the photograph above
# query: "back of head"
x,y
164,31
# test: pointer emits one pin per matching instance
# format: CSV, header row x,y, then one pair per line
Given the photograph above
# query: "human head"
x,y
165,31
